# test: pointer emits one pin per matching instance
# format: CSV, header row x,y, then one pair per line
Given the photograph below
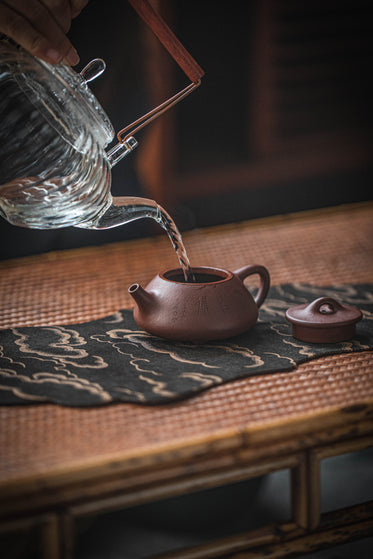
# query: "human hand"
x,y
40,26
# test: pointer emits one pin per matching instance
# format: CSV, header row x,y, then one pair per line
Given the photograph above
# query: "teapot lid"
x,y
61,95
325,320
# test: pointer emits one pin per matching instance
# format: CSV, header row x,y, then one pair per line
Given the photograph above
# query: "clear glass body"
x,y
54,171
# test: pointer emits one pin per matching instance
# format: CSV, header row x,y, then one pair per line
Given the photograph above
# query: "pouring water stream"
x,y
125,209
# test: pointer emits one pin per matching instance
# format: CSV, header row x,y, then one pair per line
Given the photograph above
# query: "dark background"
x,y
320,90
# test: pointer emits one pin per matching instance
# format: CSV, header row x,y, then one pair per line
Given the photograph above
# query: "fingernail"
x,y
54,55
72,57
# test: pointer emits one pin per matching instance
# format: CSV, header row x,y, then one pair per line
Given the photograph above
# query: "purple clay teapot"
x,y
216,306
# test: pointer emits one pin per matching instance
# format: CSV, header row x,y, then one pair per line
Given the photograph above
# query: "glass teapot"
x,y
54,169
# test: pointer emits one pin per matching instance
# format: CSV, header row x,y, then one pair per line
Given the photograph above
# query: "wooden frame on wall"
x,y
306,98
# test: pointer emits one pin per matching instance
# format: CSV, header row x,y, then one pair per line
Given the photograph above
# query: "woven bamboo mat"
x,y
322,247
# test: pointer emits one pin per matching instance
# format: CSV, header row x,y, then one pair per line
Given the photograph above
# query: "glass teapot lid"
x,y
62,96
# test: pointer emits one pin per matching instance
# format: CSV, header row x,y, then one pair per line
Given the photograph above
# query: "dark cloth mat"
x,y
111,359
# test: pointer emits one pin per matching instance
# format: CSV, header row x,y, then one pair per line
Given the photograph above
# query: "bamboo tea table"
x,y
60,464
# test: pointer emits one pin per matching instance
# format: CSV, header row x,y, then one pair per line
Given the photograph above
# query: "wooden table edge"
x,y
252,443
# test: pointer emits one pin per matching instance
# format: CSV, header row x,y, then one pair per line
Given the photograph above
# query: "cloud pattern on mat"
x,y
110,359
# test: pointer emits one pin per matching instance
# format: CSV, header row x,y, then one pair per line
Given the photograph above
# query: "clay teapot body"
x,y
216,306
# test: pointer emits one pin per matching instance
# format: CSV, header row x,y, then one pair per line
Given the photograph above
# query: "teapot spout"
x,y
124,209
144,300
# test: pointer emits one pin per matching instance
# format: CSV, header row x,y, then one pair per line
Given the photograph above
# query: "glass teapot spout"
x,y
124,209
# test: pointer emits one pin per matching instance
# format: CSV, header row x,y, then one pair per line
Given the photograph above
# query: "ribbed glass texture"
x,y
53,168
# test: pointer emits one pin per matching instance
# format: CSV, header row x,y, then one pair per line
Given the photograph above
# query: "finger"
x,y
77,6
31,25
60,10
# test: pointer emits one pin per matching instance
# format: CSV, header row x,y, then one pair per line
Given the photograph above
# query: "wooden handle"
x,y
168,39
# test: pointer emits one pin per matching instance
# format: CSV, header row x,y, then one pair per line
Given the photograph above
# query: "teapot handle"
x,y
168,39
246,271
186,62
